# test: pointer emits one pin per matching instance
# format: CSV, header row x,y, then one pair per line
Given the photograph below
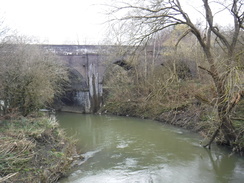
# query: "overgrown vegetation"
x,y
30,78
179,97
33,150
182,70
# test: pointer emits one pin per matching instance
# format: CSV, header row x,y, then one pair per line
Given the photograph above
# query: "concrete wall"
x,y
86,71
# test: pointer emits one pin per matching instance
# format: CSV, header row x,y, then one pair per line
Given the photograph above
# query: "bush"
x,y
29,77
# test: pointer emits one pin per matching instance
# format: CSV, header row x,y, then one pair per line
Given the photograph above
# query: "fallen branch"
x,y
237,119
7,177
212,138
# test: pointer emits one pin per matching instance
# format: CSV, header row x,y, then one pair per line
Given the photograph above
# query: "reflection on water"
x,y
121,150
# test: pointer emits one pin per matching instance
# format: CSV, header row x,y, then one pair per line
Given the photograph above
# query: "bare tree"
x,y
150,17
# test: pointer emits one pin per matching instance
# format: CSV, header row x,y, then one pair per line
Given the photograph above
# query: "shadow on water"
x,y
225,166
122,149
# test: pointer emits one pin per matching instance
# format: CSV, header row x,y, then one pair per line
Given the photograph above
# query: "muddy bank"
x,y
34,150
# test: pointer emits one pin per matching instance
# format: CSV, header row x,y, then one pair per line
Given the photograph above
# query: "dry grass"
x,y
186,103
33,150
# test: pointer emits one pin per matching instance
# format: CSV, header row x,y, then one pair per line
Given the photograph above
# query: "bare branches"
x,y
208,71
209,19
182,36
154,17
237,11
238,23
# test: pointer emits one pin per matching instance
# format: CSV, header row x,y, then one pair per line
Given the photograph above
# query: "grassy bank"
x,y
33,150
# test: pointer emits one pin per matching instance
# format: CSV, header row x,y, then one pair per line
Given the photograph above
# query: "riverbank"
x,y
188,116
191,115
129,149
34,150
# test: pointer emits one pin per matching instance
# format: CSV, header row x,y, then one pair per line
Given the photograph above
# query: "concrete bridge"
x,y
87,66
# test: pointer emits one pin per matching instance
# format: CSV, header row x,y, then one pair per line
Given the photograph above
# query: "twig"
x,y
8,177
205,69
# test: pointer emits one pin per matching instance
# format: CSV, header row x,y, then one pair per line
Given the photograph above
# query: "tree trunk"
x,y
226,126
227,129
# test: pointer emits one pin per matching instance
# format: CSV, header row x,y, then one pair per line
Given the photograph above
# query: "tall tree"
x,y
150,17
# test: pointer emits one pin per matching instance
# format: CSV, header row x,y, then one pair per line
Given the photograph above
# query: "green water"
x,y
130,150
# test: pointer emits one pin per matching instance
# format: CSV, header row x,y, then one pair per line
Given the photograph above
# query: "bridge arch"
x,y
87,66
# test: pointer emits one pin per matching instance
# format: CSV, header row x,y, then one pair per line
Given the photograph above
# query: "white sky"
x,y
63,21
56,21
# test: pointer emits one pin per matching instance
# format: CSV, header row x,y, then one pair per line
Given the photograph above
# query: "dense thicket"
x,y
30,77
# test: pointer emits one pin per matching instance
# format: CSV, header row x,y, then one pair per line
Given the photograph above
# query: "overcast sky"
x,y
63,21
56,21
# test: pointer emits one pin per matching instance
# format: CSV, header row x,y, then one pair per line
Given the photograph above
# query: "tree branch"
x,y
238,21
208,71
212,138
182,36
209,18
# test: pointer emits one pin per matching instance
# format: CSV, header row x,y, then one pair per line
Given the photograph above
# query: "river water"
x,y
131,150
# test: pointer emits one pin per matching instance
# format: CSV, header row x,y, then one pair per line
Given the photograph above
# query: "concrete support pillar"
x,y
95,89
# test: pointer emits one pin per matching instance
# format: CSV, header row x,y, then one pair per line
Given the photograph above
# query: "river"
x,y
131,150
